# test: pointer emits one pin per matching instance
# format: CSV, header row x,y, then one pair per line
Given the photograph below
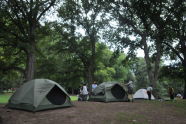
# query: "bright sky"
x,y
140,53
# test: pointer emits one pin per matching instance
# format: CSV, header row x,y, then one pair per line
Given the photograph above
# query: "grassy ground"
x,y
5,97
74,98
178,103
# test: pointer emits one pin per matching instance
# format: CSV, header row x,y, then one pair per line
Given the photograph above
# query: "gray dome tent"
x,y
109,92
39,94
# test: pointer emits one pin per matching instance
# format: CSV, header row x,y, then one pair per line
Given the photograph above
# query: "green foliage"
x,y
64,68
20,21
11,79
172,71
110,65
172,76
104,75
138,67
67,56
67,68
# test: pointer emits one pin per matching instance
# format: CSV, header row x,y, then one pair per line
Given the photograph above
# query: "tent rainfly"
x,y
109,92
39,94
142,94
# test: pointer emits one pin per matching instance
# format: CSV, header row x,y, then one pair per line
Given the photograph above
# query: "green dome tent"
x,y
109,92
39,94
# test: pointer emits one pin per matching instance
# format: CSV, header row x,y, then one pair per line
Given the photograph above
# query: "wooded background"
x,y
86,42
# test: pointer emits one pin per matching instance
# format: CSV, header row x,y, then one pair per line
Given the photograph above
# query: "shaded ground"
x,y
139,112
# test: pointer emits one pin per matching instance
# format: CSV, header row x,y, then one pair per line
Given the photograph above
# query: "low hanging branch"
x,y
174,50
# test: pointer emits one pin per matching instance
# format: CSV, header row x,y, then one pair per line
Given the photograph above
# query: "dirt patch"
x,y
138,112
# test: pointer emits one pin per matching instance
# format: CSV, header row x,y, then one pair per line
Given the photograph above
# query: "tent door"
x,y
56,96
118,92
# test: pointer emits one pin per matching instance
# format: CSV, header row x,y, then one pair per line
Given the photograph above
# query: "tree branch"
x,y
17,23
174,50
46,9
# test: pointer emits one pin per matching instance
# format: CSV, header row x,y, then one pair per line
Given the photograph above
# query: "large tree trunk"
x,y
157,59
184,94
30,66
183,47
30,63
92,61
152,68
183,59
88,76
91,67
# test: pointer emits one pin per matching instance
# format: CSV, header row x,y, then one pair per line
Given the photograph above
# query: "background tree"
x,y
134,23
84,15
138,67
73,49
20,20
172,75
168,17
62,67
176,32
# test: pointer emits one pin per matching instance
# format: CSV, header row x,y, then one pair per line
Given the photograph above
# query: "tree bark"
x,y
158,58
152,71
92,61
183,47
147,59
30,63
90,66
30,66
184,94
90,76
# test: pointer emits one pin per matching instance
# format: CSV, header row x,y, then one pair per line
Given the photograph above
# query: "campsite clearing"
x,y
138,112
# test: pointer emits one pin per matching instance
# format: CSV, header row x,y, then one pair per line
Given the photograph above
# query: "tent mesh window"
x,y
56,96
118,92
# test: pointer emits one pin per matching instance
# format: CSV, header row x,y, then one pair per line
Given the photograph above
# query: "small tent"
x,y
109,92
39,94
142,94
